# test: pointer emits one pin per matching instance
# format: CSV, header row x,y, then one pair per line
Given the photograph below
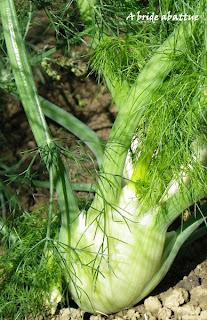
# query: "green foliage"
x,y
122,57
165,108
173,126
174,120
26,276
125,46
110,16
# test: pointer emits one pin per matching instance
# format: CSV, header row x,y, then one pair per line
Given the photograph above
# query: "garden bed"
x,y
66,81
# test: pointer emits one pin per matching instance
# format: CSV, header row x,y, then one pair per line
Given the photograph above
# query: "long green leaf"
x,y
32,106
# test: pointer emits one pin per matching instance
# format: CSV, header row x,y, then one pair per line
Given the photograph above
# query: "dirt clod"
x,y
152,304
132,314
199,297
70,314
203,315
175,297
187,309
164,314
99,317
189,282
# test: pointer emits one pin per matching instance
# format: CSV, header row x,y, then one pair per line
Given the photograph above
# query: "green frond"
x,y
26,276
121,57
171,125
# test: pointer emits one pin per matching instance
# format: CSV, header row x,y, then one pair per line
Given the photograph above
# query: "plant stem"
x,y
136,102
32,106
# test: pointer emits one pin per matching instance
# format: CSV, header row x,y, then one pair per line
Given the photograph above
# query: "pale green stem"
x,y
22,73
50,209
127,121
29,97
132,103
118,89
29,20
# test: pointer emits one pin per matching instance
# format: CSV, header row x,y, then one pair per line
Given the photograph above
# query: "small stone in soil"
x,y
203,315
174,298
164,314
199,296
189,282
152,304
187,309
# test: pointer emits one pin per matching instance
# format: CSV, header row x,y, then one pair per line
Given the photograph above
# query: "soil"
x,y
182,295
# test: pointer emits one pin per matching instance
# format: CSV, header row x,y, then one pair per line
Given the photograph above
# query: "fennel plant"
x,y
153,165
